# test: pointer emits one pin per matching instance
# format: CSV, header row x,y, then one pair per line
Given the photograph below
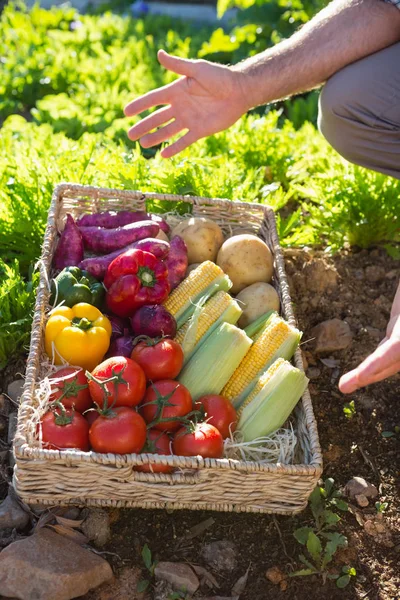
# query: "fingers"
x,y
183,142
153,98
181,66
165,133
382,363
151,122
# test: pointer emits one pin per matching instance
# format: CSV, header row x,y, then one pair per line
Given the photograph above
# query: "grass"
x,y
64,79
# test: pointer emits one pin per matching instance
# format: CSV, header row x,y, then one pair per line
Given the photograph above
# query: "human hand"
x,y
207,99
382,363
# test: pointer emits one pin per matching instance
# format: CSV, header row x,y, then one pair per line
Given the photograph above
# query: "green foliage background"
x,y
64,79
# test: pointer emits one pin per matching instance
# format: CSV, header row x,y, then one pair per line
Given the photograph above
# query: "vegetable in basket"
x,y
153,321
198,286
79,335
73,286
272,400
69,386
63,428
200,439
203,238
255,300
177,262
113,219
121,346
134,279
159,358
69,251
157,443
218,411
165,403
276,339
102,241
117,381
98,265
118,430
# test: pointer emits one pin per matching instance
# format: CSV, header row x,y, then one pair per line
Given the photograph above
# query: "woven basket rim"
x,y
24,452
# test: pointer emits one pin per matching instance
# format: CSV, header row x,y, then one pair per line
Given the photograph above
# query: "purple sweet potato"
x,y
177,261
112,219
69,252
97,265
100,240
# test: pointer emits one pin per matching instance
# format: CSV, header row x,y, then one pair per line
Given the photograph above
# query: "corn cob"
x,y
256,326
198,286
221,308
215,360
276,339
272,400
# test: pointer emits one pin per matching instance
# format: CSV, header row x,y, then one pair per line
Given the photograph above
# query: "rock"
x,y
319,276
96,527
361,500
275,575
333,453
313,373
14,390
357,486
332,335
220,555
72,513
4,405
48,566
122,588
374,273
12,515
179,575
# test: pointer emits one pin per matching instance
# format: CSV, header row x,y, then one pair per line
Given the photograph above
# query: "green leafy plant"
x,y
349,409
381,506
320,540
150,565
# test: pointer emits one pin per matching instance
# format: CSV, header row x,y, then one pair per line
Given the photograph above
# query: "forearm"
x,y
342,33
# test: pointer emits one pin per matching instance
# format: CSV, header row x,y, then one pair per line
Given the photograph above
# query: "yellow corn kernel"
x,y
210,312
262,381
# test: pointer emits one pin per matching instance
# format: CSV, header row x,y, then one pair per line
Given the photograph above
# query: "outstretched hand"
x,y
206,99
382,363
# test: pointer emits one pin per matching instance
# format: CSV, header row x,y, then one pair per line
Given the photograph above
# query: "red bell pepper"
x,y
134,279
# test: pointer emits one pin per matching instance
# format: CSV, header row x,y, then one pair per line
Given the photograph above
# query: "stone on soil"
x,y
96,527
362,500
331,335
221,555
122,588
357,486
14,390
275,575
48,566
179,575
12,515
319,277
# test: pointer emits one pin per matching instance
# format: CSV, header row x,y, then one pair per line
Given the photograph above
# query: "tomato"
x,y
91,416
127,390
204,440
160,360
121,431
64,429
70,386
161,393
218,412
157,443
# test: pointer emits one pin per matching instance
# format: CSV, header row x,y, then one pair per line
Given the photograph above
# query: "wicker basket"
x,y
72,477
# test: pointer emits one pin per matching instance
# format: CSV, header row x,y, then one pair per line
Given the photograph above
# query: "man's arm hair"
x,y
342,33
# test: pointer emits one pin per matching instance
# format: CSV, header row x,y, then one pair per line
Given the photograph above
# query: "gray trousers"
x,y
359,111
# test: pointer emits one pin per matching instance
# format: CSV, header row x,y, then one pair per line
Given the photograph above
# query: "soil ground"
x,y
365,286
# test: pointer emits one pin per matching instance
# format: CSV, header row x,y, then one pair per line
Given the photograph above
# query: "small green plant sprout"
x,y
349,409
320,541
389,434
381,506
150,565
178,596
344,578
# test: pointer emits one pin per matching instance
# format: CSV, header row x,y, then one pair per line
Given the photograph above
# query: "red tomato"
x,y
121,432
219,412
204,441
162,360
157,443
128,390
164,392
70,386
65,430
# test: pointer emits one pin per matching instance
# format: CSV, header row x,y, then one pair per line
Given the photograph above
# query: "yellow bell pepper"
x,y
79,335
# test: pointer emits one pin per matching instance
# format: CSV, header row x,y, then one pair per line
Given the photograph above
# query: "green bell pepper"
x,y
74,285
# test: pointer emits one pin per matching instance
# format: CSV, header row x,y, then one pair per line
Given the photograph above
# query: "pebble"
x,y
12,515
331,335
374,273
220,555
179,575
14,390
275,575
96,527
50,567
319,276
362,500
313,373
358,485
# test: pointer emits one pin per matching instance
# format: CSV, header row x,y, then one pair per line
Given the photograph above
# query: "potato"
x,y
203,238
161,235
255,300
192,268
246,259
